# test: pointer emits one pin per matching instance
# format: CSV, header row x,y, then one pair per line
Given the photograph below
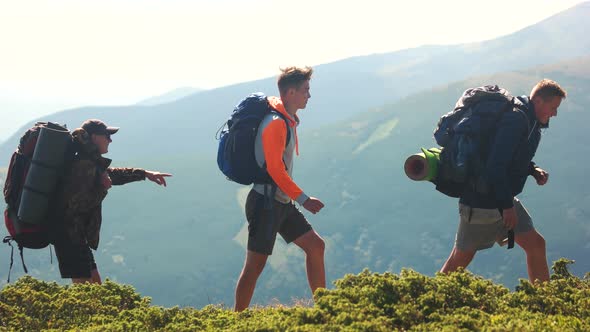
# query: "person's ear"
x,y
537,101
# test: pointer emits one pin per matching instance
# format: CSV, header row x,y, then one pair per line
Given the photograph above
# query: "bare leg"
x,y
253,267
457,259
94,278
533,245
313,246
81,280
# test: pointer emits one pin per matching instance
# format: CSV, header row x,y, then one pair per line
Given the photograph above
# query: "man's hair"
x,y
293,77
547,89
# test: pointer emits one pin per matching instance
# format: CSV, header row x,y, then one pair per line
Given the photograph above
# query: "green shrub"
x,y
368,301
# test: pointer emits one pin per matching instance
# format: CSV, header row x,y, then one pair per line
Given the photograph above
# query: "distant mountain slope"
x,y
169,97
191,234
339,89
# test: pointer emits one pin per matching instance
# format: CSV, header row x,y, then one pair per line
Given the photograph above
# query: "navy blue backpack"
x,y
465,135
235,154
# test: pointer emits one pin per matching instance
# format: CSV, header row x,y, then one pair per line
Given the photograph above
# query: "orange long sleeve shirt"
x,y
271,150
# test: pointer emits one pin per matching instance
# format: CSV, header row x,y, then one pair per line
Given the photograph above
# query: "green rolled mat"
x,y
423,166
46,167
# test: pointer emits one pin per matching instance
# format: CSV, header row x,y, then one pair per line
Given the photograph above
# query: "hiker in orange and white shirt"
x,y
269,207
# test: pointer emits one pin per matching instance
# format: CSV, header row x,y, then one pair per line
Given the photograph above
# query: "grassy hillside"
x,y
368,301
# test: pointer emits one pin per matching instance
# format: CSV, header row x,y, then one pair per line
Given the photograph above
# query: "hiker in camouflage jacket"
x,y
79,206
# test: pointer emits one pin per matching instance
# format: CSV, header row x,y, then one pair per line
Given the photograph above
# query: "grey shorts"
x,y
480,228
286,220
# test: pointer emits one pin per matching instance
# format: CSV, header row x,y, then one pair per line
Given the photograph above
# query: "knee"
x,y
462,257
541,242
321,245
253,268
317,247
538,243
252,271
533,243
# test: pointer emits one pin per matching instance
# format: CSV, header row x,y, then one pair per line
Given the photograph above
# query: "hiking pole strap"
x,y
268,196
510,233
511,239
268,206
22,259
8,240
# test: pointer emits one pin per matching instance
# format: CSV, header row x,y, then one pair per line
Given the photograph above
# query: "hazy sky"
x,y
57,54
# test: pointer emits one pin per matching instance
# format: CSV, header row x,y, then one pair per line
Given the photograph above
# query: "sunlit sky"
x,y
57,54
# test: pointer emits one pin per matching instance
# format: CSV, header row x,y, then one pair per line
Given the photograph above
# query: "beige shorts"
x,y
480,228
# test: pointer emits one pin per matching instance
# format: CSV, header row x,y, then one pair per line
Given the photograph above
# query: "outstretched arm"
x,y
157,177
121,175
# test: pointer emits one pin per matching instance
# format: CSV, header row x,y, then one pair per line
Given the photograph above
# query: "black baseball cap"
x,y
97,127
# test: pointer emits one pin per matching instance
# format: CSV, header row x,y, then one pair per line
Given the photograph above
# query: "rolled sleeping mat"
x,y
46,168
423,166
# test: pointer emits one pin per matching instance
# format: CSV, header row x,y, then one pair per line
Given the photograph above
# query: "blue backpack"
x,y
235,154
465,135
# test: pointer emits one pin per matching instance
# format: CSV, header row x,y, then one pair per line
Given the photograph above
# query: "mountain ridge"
x,y
339,89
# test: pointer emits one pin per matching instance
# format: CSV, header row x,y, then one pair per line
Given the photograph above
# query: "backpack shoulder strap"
x,y
520,108
524,117
286,124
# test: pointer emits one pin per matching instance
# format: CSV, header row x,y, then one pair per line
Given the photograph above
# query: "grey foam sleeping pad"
x,y
46,167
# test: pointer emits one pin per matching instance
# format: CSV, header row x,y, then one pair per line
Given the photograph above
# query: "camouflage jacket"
x,y
80,200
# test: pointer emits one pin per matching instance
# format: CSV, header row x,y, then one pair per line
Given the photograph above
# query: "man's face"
x,y
301,95
545,109
102,141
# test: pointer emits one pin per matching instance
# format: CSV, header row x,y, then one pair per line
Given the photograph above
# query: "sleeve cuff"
x,y
532,166
302,198
506,204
